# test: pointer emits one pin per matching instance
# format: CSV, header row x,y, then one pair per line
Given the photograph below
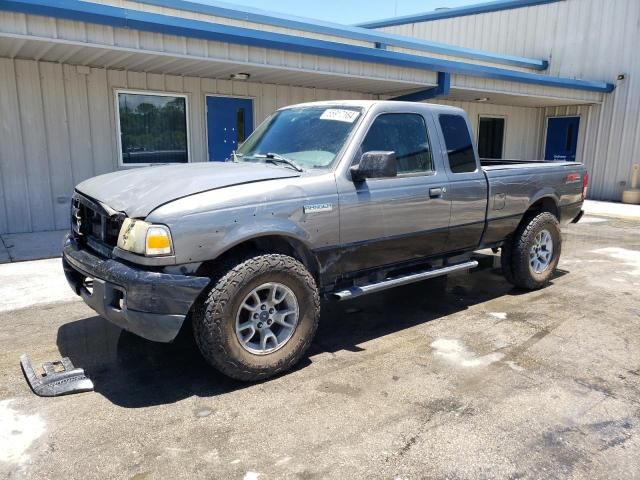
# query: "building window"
x,y
458,142
491,137
406,135
152,128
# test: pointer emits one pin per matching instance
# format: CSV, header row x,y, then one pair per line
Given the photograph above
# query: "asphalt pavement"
x,y
464,380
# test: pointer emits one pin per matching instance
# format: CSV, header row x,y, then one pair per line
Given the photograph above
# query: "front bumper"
x,y
150,304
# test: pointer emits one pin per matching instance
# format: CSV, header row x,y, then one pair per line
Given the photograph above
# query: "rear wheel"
x,y
259,318
535,251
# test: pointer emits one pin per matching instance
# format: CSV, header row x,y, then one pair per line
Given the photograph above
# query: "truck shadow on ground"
x,y
132,372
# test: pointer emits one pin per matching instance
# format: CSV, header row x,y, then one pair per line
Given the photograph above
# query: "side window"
x,y
405,134
458,142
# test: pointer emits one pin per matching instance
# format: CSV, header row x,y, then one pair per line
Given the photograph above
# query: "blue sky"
x,y
350,11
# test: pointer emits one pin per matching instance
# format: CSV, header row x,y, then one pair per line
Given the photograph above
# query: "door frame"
x,y
543,147
504,132
206,115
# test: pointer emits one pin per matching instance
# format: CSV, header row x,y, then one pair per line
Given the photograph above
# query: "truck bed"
x,y
513,185
500,163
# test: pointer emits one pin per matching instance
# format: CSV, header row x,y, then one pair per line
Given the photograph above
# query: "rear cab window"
x,y
458,142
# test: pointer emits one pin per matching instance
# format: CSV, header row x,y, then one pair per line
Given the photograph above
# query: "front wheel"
x,y
535,251
259,318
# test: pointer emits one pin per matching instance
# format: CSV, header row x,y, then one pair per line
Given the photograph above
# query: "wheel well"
x,y
545,204
266,244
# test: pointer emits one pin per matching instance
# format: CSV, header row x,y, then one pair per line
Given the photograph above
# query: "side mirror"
x,y
375,165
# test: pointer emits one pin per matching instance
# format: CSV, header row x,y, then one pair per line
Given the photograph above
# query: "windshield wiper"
x,y
277,159
234,156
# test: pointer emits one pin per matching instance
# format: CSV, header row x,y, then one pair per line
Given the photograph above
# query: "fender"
x,y
278,227
213,235
277,234
545,193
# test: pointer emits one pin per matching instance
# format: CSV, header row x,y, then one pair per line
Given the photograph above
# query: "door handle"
x,y
437,192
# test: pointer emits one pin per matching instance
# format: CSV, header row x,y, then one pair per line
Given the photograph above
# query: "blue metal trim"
x,y
151,22
455,12
441,90
237,12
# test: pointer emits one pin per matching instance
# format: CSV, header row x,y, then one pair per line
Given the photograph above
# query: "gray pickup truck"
x,y
327,199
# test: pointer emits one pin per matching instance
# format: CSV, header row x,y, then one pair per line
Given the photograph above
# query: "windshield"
x,y
311,137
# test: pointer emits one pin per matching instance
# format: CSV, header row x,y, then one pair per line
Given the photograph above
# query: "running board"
x,y
358,291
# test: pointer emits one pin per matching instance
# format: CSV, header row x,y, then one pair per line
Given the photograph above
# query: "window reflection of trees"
x,y
153,128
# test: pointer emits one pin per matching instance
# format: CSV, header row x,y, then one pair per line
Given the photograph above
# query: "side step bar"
x,y
358,291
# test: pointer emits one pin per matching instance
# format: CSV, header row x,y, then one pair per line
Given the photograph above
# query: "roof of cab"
x,y
367,104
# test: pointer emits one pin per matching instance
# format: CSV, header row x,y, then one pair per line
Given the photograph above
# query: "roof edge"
x,y
158,23
495,6
238,12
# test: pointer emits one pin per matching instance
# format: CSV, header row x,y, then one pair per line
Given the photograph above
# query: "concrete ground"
x,y
475,381
612,209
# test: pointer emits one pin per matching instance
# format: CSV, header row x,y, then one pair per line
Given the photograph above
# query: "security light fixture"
x,y
482,99
240,76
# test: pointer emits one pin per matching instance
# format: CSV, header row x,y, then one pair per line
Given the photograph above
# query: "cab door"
x,y
467,183
391,220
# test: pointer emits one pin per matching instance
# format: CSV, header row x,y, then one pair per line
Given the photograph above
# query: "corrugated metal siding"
x,y
120,43
523,126
57,128
583,39
516,88
175,12
270,28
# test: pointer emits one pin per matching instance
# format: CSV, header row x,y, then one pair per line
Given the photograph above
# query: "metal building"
x,y
88,87
580,39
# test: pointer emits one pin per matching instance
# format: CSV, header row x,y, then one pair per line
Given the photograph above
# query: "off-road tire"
x,y
214,320
523,276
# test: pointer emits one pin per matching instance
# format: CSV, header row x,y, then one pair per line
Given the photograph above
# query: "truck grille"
x,y
91,222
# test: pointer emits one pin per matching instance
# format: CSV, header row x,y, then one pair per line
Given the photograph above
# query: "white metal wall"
x,y
177,12
593,39
57,128
114,47
523,126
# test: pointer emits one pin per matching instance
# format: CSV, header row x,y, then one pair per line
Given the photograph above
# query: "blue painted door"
x,y
562,138
229,122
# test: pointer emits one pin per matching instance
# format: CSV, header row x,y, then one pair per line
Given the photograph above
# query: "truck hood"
x,y
139,191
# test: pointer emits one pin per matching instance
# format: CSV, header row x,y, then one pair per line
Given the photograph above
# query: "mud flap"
x,y
59,378
578,217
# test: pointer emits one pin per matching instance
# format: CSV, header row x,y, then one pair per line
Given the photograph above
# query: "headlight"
x,y
144,238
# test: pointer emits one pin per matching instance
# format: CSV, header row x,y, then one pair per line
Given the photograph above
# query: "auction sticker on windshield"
x,y
340,115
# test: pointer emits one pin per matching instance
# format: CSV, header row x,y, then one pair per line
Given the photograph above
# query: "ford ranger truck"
x,y
327,199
